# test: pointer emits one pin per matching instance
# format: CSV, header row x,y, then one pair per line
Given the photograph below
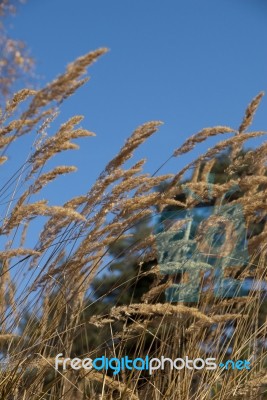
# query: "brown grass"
x,y
72,246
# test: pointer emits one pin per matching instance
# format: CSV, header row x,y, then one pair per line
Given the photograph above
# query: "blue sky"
x,y
191,64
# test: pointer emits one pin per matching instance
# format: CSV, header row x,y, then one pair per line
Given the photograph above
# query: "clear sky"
x,y
189,63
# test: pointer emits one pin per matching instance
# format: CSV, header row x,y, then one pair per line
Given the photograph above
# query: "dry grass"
x,y
73,243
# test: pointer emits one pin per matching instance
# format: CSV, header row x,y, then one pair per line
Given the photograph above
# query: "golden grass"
x,y
72,247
